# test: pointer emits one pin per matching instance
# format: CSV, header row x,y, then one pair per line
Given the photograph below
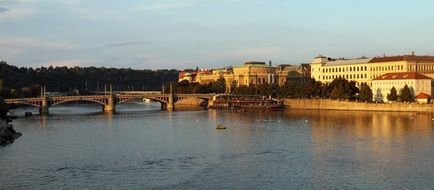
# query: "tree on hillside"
x,y
407,94
365,93
3,106
393,96
21,82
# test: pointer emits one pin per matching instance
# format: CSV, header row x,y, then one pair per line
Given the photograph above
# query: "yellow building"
x,y
364,70
254,73
287,73
251,73
417,82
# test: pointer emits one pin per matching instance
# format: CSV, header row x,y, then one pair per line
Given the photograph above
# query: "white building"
x,y
417,82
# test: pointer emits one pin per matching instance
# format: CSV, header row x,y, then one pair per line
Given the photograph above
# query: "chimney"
x,y
412,53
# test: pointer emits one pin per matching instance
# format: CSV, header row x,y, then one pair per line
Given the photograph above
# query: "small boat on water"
x,y
11,115
220,126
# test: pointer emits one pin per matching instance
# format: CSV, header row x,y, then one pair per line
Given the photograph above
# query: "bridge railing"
x,y
21,99
104,96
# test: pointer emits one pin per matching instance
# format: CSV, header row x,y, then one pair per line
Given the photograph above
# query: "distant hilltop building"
x,y
250,73
380,73
188,75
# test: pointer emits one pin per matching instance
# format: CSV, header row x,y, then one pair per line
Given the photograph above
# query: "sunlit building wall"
x,y
417,82
364,70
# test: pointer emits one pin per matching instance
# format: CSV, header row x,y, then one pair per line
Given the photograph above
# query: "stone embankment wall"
x,y
327,104
191,103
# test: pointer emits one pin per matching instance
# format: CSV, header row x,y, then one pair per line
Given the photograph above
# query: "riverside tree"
x,y
365,93
407,94
340,88
393,96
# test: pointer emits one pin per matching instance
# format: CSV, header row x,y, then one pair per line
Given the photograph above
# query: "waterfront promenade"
x,y
328,104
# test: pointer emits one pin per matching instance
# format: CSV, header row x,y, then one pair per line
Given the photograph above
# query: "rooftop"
x,y
402,76
347,62
422,96
402,58
254,63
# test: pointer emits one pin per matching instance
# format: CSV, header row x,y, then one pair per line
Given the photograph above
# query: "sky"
x,y
180,34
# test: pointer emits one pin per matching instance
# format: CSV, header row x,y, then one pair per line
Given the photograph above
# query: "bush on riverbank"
x,y
7,132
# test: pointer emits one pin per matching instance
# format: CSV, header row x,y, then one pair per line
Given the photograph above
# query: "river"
x,y
141,147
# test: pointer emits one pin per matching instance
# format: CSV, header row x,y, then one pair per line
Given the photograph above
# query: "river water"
x,y
141,147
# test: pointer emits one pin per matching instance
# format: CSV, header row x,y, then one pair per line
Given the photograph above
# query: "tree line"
x,y
27,81
339,88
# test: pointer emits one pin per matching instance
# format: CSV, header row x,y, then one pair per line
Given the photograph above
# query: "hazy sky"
x,y
153,34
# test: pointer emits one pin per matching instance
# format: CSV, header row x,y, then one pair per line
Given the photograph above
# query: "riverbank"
x,y
327,104
7,133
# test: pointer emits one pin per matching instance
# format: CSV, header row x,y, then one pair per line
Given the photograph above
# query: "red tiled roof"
x,y
423,96
205,72
402,76
402,58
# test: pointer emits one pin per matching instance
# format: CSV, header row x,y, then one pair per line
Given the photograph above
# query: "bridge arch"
x,y
77,100
141,98
24,103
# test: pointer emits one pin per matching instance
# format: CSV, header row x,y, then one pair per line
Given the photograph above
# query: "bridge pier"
x,y
43,109
170,104
110,106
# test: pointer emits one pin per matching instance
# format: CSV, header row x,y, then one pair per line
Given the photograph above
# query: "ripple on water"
x,y
148,149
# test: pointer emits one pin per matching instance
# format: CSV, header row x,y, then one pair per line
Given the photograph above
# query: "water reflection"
x,y
141,147
368,146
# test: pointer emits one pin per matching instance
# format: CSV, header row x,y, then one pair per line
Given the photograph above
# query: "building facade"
x,y
188,75
291,73
418,84
364,70
254,73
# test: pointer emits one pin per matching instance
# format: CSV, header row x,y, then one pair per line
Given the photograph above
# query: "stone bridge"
x,y
107,101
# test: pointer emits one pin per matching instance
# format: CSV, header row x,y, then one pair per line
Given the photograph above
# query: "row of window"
x,y
365,68
421,67
345,69
347,76
388,68
402,83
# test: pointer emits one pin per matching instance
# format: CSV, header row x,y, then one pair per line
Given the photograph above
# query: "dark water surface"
x,y
140,147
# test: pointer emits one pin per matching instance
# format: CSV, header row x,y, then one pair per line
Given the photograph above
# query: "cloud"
x,y
121,44
34,43
165,5
3,10
14,14
13,9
